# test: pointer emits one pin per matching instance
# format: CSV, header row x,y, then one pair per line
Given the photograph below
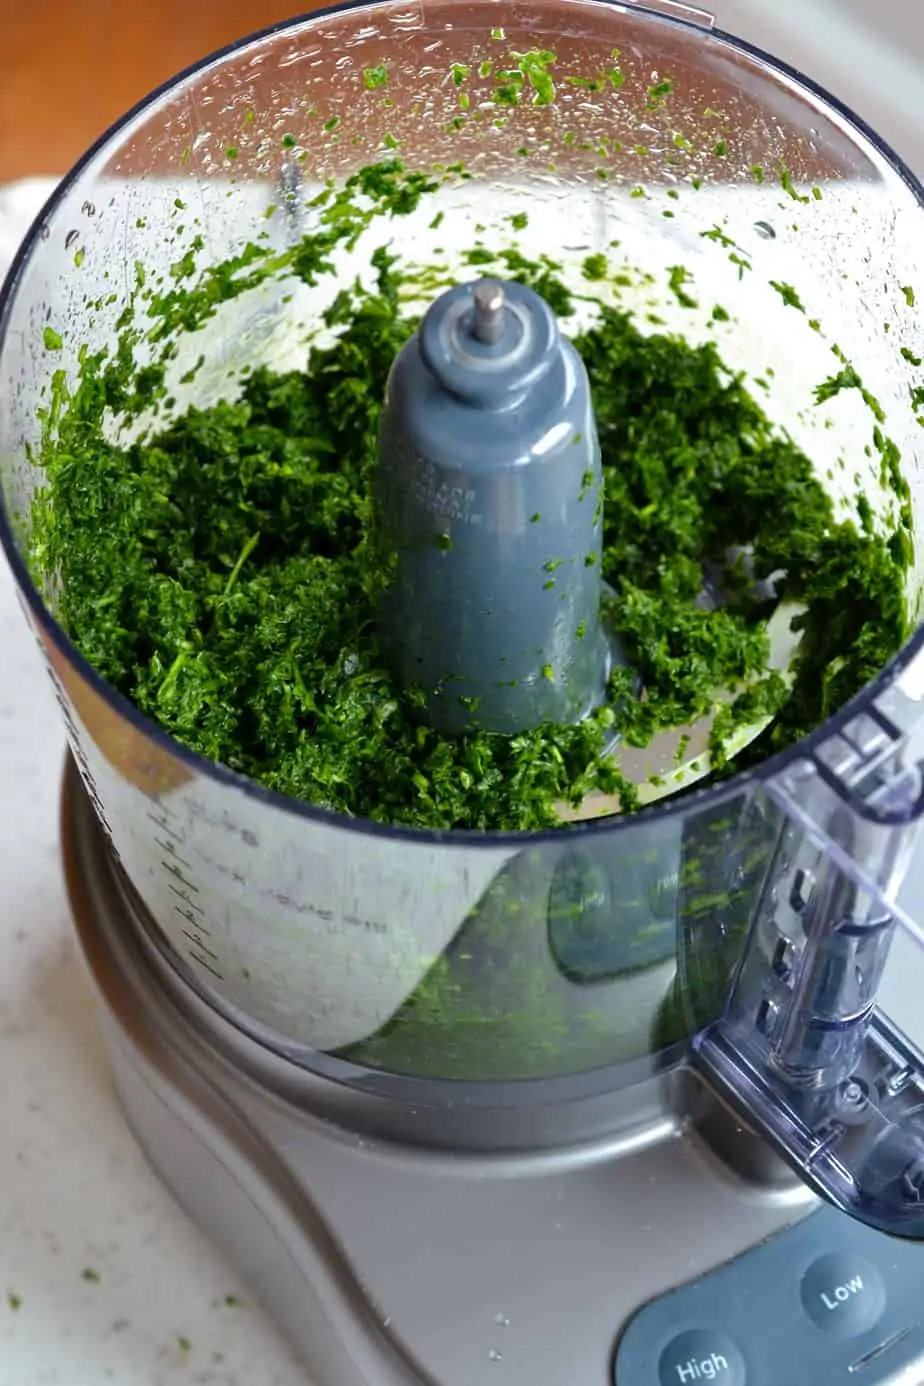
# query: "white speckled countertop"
x,y
101,1277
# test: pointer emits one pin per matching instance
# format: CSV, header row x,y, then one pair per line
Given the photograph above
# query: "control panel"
x,y
827,1302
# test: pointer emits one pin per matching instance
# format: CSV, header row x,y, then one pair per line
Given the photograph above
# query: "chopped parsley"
x,y
221,569
375,77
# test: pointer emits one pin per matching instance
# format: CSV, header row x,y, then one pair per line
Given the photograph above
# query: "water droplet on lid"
x,y
496,1356
502,1320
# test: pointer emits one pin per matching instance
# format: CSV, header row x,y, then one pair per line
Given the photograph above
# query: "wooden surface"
x,y
67,69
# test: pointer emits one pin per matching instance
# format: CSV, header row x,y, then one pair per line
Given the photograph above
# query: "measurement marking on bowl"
x,y
162,821
184,906
170,848
175,871
198,943
191,906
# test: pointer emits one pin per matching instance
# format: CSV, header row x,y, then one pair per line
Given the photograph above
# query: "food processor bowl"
x,y
743,925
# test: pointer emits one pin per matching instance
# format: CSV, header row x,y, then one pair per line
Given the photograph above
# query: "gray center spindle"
x,y
489,495
490,302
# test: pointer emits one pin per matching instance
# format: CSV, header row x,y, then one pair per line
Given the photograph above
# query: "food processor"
x,y
612,1102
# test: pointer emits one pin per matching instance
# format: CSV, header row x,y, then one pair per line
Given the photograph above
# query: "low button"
x,y
843,1294
700,1357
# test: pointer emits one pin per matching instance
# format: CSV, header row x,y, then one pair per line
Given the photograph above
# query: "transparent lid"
x,y
692,183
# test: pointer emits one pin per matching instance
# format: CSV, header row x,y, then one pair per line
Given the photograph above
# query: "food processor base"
x,y
642,1258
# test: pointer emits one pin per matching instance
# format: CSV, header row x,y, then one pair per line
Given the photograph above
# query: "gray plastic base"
x,y
390,1265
